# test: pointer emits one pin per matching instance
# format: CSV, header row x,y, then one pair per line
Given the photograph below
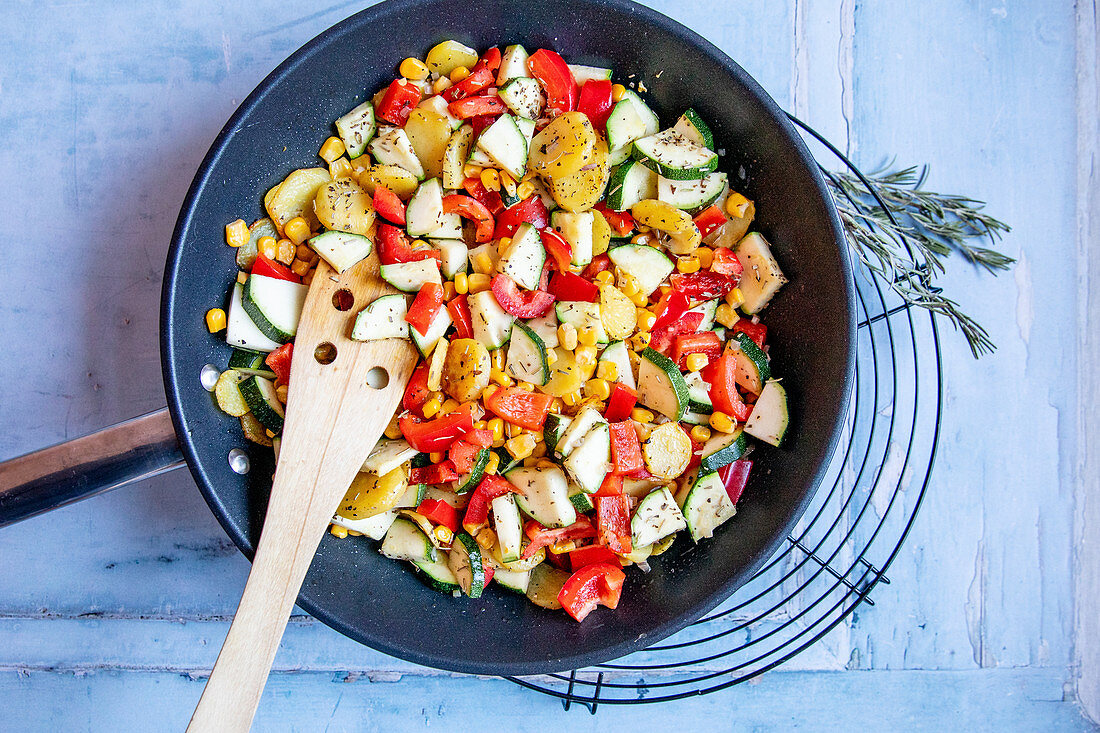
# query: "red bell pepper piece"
x,y
540,536
621,222
613,522
626,450
558,249
723,388
521,304
734,477
491,200
756,331
568,286
416,391
595,101
591,555
591,586
434,436
279,362
399,100
459,308
480,437
477,510
612,485
662,339
556,79
620,403
394,246
439,512
470,208
476,107
530,210
599,264
669,309
520,407
271,268
710,219
480,124
702,285
725,262
388,205
482,76
706,343
463,454
428,302
435,474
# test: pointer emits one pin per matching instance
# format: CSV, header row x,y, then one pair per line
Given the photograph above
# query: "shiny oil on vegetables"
x,y
583,287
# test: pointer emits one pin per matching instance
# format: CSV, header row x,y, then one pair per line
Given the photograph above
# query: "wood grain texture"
x,y
335,414
109,607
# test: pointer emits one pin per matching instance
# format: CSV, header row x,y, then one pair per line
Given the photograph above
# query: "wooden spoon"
x,y
343,394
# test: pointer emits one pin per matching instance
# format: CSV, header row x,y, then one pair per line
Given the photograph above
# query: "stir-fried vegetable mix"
x,y
583,287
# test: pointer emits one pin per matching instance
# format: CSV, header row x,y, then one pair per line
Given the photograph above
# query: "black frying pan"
x,y
350,586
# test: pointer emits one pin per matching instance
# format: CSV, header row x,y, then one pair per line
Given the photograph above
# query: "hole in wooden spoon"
x,y
325,353
377,378
343,300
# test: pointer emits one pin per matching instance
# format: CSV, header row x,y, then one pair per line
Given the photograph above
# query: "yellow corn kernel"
x,y
508,183
571,399
722,422
494,463
236,233
737,205
696,362
242,277
284,253
393,430
588,336
478,282
338,531
526,386
449,291
436,457
299,267
525,190
331,149
431,407
443,534
640,341
482,262
471,171
486,538
705,255
497,426
462,285
479,425
641,238
585,355
440,84
598,388
735,297
700,433
617,92
497,376
413,68
607,370
268,247
567,336
521,446
281,392
639,299
551,357
628,285
688,264
640,414
556,404
726,315
458,74
646,319
297,230
512,430
496,358
490,179
449,406
215,320
488,392
341,168
562,546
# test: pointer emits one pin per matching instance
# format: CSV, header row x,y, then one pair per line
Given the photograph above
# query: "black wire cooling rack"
x,y
843,545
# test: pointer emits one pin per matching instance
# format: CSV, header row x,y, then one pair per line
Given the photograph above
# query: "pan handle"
x,y
52,477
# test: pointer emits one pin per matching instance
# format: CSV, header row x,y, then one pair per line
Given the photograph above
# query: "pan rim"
x,y
565,662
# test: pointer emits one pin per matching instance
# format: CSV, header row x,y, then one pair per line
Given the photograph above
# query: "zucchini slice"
x,y
706,506
769,418
674,156
656,517
691,195
661,385
388,455
375,526
762,278
467,564
406,541
508,527
590,461
630,119
543,495
439,325
524,258
752,369
425,210
259,393
492,324
581,314
513,65
545,585
630,183
618,354
527,355
438,575
391,146
274,305
356,129
553,430
692,126
342,250
576,229
469,481
722,449
513,580
251,363
667,451
408,277
227,392
523,96
505,144
454,157
647,265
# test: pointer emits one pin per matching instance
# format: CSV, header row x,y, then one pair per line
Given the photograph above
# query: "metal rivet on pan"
x,y
238,461
208,377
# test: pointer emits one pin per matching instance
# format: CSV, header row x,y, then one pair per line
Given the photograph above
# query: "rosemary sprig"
x,y
934,225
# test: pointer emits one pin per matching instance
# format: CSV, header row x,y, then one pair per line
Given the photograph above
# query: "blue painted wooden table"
x,y
112,610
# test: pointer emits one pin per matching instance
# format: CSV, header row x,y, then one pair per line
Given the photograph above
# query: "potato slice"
x,y
294,196
344,206
370,495
465,370
601,234
393,177
581,191
455,154
566,375
618,313
683,235
447,56
428,133
667,451
564,146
